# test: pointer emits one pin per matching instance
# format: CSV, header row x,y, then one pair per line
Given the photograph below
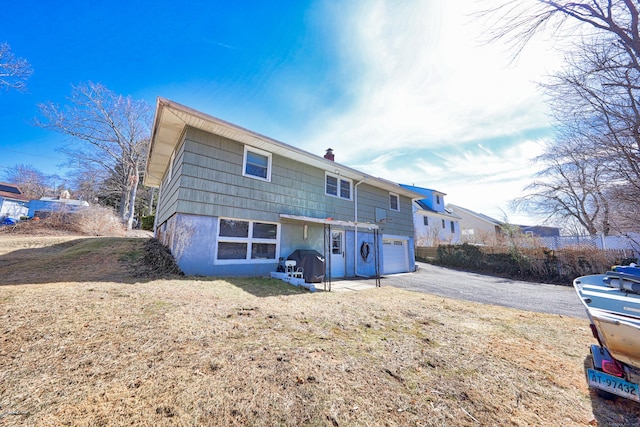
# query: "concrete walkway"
x,y
349,285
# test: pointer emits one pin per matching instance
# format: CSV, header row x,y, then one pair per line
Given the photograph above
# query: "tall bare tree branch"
x,y
14,72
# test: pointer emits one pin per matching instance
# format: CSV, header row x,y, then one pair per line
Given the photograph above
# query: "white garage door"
x,y
395,256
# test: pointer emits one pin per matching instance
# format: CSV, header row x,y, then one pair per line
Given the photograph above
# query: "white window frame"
x,y
397,197
339,180
249,241
259,152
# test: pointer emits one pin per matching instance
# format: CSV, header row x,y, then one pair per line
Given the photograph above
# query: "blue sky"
x,y
399,89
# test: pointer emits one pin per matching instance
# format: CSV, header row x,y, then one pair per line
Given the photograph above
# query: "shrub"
x,y
96,221
530,263
146,222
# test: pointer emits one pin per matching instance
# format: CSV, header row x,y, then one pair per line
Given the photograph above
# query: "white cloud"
x,y
428,100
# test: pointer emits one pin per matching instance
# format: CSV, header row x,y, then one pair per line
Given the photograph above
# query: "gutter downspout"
x,y
355,240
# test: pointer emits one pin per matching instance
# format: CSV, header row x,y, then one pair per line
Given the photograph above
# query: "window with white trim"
x,y
425,220
241,241
337,186
256,164
453,227
394,202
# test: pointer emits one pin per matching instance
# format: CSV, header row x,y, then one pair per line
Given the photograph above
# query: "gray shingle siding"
x,y
209,181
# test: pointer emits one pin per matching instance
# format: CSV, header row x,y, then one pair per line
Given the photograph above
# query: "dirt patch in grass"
x,y
190,351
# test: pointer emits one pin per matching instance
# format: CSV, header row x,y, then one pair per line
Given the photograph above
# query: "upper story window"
x,y
443,224
337,186
256,164
453,227
425,220
437,199
394,202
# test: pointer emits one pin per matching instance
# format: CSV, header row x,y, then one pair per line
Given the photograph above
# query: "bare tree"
x,y
14,72
570,187
518,21
87,183
592,175
106,131
33,183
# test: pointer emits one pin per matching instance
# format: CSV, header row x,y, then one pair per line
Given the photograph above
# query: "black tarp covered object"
x,y
311,262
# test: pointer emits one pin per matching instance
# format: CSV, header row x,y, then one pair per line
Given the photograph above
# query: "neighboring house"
x,y
433,223
47,205
13,203
476,227
482,229
232,202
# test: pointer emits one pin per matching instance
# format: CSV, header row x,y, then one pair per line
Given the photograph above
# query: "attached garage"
x,y
395,255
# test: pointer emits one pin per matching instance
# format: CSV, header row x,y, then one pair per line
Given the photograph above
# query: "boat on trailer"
x,y
612,303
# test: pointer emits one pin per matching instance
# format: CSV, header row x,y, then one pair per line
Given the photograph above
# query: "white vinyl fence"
x,y
630,242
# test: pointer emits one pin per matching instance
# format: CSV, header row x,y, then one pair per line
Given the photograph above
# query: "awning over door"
x,y
329,221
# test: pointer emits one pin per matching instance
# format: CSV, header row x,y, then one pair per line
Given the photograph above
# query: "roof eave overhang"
x,y
172,118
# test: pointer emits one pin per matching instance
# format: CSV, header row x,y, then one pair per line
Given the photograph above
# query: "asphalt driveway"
x,y
544,298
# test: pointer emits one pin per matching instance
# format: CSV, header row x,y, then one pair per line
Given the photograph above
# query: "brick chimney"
x,y
329,154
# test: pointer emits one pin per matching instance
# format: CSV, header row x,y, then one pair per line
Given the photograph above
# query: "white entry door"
x,y
337,253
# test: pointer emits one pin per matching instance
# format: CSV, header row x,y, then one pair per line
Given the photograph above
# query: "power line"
x,y
32,154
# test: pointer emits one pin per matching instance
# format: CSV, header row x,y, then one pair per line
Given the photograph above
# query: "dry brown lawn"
x,y
84,341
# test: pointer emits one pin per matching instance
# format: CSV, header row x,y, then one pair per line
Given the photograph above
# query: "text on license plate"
x,y
613,384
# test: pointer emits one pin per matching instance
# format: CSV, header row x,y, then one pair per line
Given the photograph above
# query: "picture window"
x,y
241,241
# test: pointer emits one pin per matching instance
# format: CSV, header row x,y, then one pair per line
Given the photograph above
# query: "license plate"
x,y
612,384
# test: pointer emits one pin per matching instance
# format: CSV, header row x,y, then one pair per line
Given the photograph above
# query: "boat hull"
x,y
615,313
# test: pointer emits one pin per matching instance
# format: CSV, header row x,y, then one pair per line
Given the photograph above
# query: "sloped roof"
x,y
446,213
171,118
423,205
11,191
422,190
71,202
479,215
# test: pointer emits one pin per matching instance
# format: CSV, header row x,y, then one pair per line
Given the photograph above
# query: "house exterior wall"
x,y
205,184
13,208
37,207
476,230
434,232
435,201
